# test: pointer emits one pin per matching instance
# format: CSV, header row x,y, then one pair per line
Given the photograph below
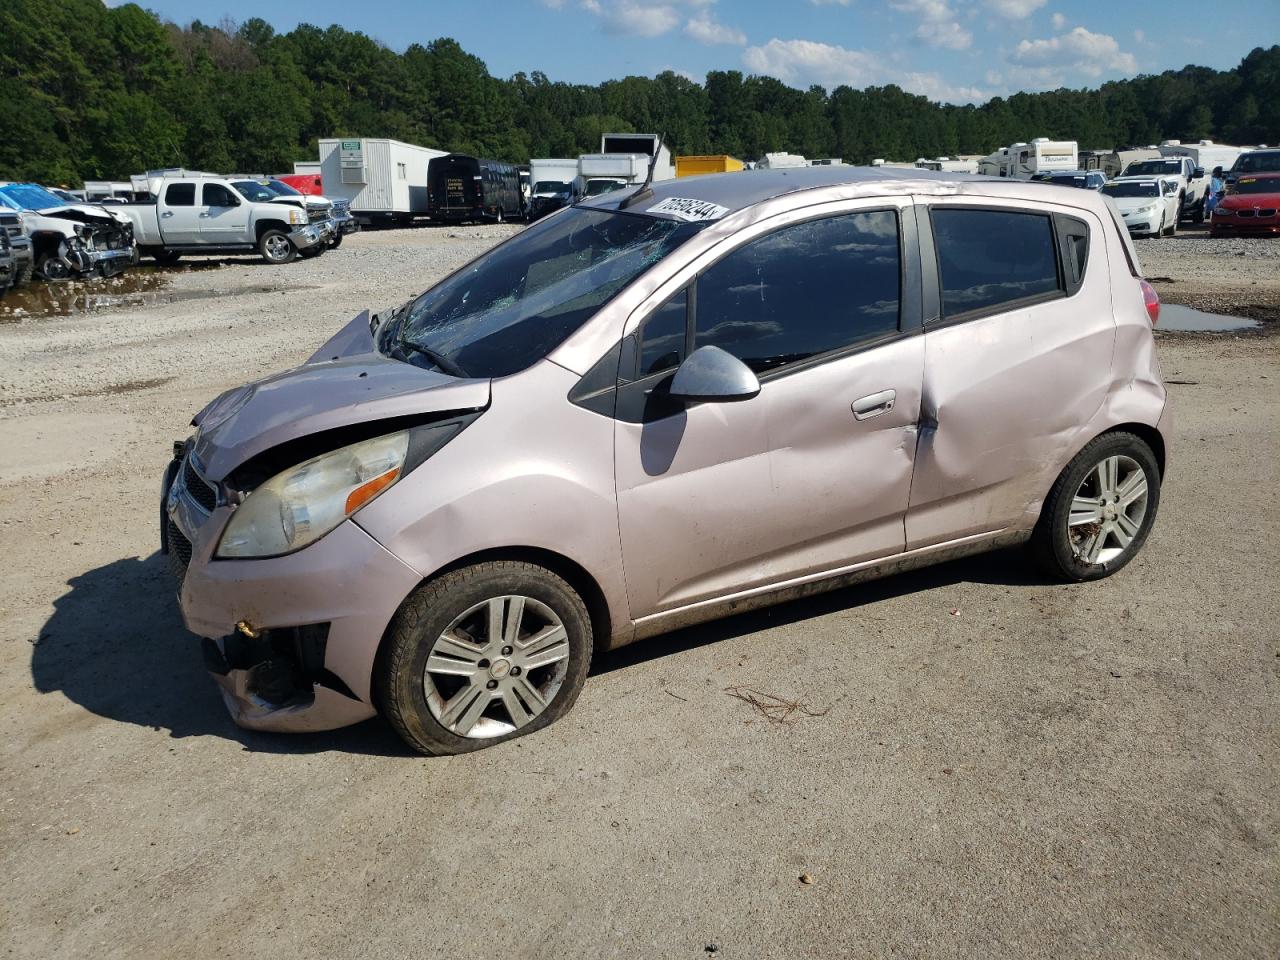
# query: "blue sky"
x,y
953,50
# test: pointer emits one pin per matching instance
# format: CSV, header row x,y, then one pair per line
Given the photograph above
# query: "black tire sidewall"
x,y
1052,533
426,614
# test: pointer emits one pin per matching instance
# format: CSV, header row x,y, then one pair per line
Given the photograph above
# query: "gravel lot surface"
x,y
994,767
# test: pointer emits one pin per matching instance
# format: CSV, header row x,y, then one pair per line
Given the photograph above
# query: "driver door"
x,y
814,473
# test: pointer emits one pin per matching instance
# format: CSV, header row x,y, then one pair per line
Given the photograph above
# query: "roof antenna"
x,y
644,193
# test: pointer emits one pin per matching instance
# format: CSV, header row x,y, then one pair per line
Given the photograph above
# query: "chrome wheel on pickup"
x,y
276,247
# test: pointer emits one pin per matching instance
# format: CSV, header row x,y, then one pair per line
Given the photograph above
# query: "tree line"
x,y
89,91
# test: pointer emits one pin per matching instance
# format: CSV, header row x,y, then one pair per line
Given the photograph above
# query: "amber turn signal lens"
x,y
362,494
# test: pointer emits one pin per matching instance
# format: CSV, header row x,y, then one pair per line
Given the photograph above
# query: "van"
x,y
655,408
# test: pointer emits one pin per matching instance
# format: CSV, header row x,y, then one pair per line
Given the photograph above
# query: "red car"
x,y
1252,208
308,183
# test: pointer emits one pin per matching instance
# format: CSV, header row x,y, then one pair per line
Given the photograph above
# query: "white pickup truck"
x,y
205,214
1193,185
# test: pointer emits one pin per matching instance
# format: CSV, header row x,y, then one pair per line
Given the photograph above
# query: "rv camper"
x,y
1020,160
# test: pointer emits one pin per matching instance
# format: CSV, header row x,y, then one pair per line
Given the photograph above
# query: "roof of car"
x,y
728,192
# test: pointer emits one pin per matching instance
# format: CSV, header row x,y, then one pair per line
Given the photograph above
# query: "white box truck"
x,y
385,181
650,144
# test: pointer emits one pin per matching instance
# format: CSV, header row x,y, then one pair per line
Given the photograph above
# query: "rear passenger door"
x,y
814,473
1018,338
179,215
224,215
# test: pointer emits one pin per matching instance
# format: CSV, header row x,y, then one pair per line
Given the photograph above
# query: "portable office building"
x,y
383,180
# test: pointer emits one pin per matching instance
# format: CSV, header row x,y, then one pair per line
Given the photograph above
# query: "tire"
x,y
276,247
1173,228
1198,216
1062,547
312,252
336,242
1160,232
166,258
415,701
50,267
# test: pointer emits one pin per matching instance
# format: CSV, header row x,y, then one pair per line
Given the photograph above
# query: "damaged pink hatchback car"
x,y
656,408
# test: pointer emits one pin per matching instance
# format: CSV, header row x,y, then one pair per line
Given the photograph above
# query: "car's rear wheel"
x,y
1100,510
166,258
484,654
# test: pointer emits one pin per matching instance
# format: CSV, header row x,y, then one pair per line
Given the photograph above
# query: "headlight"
x,y
297,217
302,504
1221,212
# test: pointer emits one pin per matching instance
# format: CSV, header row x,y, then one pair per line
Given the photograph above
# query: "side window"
x,y
1073,242
987,258
662,338
803,290
216,195
180,195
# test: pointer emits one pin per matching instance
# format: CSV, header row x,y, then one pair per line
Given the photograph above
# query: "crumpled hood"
x,y
347,381
86,213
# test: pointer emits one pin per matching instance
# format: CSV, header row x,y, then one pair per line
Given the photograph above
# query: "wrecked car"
x,y
655,408
11,224
70,241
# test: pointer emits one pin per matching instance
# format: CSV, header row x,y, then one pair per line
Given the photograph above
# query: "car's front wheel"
x,y
1100,510
484,654
276,247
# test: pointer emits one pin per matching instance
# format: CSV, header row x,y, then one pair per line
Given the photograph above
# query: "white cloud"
x,y
1016,9
1059,21
706,29
1140,36
1089,53
938,26
803,62
637,19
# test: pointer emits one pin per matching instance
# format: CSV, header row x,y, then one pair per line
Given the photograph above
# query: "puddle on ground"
x,y
140,286
1174,316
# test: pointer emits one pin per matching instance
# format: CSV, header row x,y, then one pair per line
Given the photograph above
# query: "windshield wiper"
x,y
405,347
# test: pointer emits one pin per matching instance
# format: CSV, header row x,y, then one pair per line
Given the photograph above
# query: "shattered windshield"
x,y
29,196
518,302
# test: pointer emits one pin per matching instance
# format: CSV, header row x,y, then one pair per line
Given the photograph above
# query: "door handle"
x,y
204,214
167,213
874,404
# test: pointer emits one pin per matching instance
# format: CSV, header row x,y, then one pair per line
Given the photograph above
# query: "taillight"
x,y
1151,300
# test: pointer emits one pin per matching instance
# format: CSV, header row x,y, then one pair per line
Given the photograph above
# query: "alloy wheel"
x,y
1108,510
496,667
278,248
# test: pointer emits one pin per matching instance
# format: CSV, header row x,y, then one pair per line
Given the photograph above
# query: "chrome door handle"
x,y
204,214
167,213
874,404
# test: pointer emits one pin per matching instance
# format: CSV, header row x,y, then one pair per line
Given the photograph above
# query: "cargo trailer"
x,y
385,181
696,166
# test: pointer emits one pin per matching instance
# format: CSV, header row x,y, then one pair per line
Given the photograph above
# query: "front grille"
x,y
198,487
179,550
342,206
318,215
11,226
1244,213
1267,213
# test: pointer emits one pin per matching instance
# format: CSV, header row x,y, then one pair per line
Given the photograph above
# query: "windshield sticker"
x,y
684,209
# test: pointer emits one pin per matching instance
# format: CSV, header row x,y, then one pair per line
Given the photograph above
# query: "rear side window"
x,y
803,290
180,195
1073,241
990,258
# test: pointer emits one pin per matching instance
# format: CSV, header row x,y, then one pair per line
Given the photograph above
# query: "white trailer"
x,y
781,161
1020,160
304,168
383,180
550,171
650,144
1206,154
949,164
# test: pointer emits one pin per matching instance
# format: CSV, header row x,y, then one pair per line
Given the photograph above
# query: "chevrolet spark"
x,y
655,408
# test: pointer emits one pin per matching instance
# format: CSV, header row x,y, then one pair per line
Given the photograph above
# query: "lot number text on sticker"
x,y
689,209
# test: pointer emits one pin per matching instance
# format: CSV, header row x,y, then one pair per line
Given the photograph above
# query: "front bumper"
x,y
345,585
109,262
1148,223
1245,227
304,238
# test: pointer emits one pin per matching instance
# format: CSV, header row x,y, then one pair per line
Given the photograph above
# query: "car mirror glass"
x,y
713,375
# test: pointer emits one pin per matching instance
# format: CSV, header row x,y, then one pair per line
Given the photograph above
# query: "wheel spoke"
x,y
1125,530
497,607
548,645
464,708
451,654
1134,486
1085,510
1094,547
514,617
520,714
1109,476
528,693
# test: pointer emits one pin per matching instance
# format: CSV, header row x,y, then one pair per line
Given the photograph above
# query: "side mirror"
x,y
1198,173
712,375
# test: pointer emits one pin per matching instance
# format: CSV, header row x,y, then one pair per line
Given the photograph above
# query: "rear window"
x,y
989,258
180,195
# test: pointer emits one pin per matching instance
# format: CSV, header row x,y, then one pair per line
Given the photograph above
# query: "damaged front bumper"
x,y
290,640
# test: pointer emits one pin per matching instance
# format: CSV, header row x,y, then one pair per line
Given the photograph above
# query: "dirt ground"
x,y
989,766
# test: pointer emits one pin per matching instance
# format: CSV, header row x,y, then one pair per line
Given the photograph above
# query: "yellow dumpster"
x,y
695,166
